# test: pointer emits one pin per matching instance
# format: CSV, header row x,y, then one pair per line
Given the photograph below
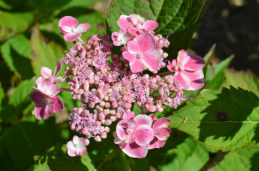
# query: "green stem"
x,y
109,157
215,159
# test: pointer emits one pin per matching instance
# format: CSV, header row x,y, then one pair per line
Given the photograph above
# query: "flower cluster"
x,y
111,89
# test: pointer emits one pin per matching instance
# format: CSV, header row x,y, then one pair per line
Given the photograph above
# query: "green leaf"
x,y
246,160
190,155
16,53
215,74
2,95
208,57
78,3
25,140
22,92
44,53
241,79
56,159
225,119
5,5
14,23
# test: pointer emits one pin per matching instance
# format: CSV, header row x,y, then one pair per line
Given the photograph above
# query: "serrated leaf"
x,y
14,23
21,93
225,119
25,140
44,53
241,79
16,53
56,159
246,160
215,74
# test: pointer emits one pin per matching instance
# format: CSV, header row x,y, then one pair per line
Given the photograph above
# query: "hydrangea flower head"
x,y
76,146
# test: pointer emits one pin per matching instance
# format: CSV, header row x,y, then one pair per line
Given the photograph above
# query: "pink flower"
x,y
70,30
161,132
188,70
134,135
136,24
141,53
46,100
121,37
76,147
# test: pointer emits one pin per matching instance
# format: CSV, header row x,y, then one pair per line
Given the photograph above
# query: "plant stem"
x,y
215,159
114,152
165,73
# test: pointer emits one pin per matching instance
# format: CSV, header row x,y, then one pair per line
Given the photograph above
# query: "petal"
x,y
49,88
80,151
185,81
71,36
136,66
124,22
68,21
60,79
58,68
46,72
134,31
133,47
197,79
144,134
123,124
146,43
57,105
130,139
156,143
163,133
128,56
38,98
39,80
71,152
182,57
117,140
83,28
65,30
194,63
151,61
122,31
43,112
131,115
136,151
150,25
70,145
161,123
76,140
121,133
114,36
142,119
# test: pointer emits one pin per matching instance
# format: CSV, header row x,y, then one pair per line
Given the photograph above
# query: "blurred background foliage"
x,y
30,39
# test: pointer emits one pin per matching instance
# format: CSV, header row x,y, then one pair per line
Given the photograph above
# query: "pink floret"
x,y
76,147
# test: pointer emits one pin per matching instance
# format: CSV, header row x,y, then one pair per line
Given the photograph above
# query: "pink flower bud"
x,y
97,139
107,129
103,135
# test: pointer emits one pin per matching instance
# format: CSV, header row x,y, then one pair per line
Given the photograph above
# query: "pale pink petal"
x,y
80,151
182,57
136,66
156,143
161,123
134,31
194,63
124,22
122,31
83,28
57,105
150,25
151,61
130,139
131,115
70,145
146,43
123,124
128,56
60,79
58,68
117,140
121,133
65,30
68,21
39,80
163,133
46,72
71,36
49,88
144,134
197,79
134,18
114,36
71,152
143,120
133,47
185,81
75,139
135,151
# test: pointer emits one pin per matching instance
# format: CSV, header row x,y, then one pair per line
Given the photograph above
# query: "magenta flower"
x,y
136,24
46,100
188,70
161,133
121,37
70,30
141,53
134,135
76,147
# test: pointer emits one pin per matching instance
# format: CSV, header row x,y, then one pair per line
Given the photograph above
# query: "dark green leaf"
x,y
225,119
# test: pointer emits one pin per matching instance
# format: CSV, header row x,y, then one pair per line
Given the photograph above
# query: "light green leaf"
x,y
78,3
241,79
22,92
44,53
5,5
225,119
215,74
56,159
14,23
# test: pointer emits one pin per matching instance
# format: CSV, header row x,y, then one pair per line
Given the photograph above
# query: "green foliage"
x,y
225,119
1,96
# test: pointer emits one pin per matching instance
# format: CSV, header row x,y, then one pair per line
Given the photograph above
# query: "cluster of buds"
x,y
111,88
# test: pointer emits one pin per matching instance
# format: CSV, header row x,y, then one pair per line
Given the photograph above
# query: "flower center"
x,y
179,68
139,56
129,131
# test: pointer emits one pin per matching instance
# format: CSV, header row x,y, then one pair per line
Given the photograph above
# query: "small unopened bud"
x,y
97,139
